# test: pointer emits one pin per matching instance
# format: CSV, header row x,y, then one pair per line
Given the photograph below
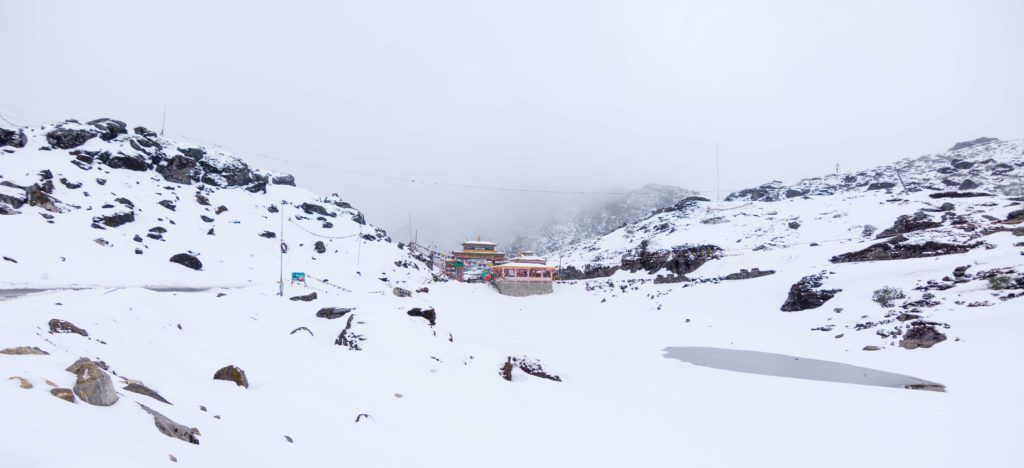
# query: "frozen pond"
x,y
781,365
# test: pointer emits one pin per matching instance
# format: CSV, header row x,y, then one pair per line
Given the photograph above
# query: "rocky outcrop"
x,y
922,335
24,351
232,374
63,326
12,138
588,272
188,261
313,208
807,294
68,138
899,249
907,223
172,429
179,169
680,260
116,219
93,385
975,142
401,292
331,313
109,128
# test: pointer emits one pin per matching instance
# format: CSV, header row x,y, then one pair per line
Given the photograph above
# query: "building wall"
x,y
524,288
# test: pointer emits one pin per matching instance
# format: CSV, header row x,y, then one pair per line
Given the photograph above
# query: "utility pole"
x,y
837,168
280,263
900,177
163,121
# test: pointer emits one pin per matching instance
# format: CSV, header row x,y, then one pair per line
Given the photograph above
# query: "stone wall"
x,y
523,288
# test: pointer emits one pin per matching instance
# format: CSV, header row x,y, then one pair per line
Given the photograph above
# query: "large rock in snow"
x,y
187,260
93,385
14,138
806,294
67,138
232,374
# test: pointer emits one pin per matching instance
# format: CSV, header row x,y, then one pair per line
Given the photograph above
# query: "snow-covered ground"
x,y
434,395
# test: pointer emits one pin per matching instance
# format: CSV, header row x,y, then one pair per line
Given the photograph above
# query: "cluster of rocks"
x,y
808,293
898,248
528,365
964,167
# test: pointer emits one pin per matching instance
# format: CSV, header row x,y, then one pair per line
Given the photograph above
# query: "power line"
x,y
428,181
320,235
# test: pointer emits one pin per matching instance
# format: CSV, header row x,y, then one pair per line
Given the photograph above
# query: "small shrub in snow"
x,y
1000,282
885,296
868,231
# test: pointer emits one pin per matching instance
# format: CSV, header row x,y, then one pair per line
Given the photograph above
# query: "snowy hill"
x,y
589,222
793,364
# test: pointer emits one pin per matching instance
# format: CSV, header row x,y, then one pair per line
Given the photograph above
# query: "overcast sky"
x,y
575,95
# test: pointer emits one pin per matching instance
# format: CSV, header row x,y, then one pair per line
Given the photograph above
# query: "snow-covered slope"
x,y
385,384
583,223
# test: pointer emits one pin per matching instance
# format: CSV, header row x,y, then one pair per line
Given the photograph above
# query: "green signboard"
x,y
298,277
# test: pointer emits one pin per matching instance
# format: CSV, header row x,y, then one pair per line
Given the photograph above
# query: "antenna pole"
x,y
900,176
280,262
163,121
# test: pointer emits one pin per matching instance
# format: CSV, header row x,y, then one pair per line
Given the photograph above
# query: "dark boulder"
x,y
124,161
268,234
115,220
401,292
313,208
284,179
168,204
109,128
308,297
14,138
794,225
331,313
881,185
67,138
319,247
907,223
1015,216
179,169
232,374
429,314
807,294
922,335
188,261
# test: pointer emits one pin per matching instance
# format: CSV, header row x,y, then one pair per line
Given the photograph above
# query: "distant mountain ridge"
x,y
595,221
